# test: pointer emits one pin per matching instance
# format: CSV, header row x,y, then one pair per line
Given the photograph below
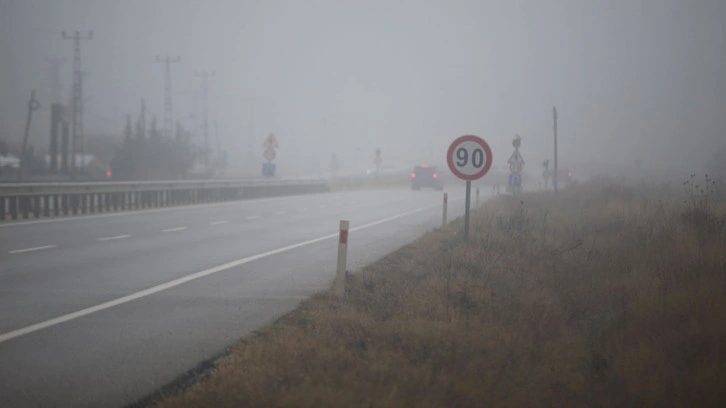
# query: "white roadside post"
x,y
446,204
342,258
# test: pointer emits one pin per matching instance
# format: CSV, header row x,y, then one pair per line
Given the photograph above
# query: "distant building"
x,y
81,160
9,162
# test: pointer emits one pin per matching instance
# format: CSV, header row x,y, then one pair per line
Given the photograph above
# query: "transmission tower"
x,y
205,113
77,108
168,113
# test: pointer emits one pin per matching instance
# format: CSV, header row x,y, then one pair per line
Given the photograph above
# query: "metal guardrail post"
x,y
24,206
36,206
14,207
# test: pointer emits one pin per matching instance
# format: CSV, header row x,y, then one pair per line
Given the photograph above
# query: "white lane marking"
x,y
113,238
303,209
20,251
253,217
180,281
175,229
218,222
281,213
323,206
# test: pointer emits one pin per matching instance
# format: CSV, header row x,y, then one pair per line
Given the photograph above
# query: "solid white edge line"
x,y
20,251
218,222
180,281
113,238
253,217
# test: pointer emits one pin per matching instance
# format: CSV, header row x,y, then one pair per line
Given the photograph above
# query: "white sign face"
x,y
469,157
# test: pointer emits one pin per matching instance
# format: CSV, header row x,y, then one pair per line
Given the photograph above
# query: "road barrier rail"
x,y
41,200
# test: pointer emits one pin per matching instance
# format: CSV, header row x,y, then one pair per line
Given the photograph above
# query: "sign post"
x,y
516,164
469,158
270,144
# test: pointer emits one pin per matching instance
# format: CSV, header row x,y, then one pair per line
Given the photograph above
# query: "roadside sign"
x,y
516,162
268,169
515,180
270,154
469,157
270,142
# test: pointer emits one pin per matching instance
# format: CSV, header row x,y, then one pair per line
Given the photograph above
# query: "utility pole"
x,y
205,112
33,105
54,78
219,144
168,113
554,116
77,108
195,112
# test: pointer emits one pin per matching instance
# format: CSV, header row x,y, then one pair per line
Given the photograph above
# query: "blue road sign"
x,y
268,169
515,180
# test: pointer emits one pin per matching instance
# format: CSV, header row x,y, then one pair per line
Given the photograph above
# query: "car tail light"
x,y
413,175
436,175
569,174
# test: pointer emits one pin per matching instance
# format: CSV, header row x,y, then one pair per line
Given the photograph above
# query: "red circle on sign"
x,y
487,152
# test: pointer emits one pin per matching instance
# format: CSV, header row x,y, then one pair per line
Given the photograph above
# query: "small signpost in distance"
x,y
469,158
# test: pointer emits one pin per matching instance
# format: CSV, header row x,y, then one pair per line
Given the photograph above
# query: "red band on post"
x,y
344,237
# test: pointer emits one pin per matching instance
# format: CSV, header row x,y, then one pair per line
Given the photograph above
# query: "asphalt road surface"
x,y
103,310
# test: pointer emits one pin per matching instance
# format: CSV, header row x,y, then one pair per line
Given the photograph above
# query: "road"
x,y
103,310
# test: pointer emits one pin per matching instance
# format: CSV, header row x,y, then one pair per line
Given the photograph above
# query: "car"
x,y
425,175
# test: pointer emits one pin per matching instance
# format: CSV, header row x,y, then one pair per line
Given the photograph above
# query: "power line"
x,y
168,113
77,109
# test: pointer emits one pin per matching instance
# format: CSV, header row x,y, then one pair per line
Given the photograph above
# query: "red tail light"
x,y
569,174
413,175
436,175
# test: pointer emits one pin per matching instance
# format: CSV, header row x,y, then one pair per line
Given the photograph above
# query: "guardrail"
x,y
38,200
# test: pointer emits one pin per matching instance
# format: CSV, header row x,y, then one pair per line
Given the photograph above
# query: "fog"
x,y
630,79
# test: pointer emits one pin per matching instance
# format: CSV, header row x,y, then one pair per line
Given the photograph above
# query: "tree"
x,y
153,158
128,132
154,133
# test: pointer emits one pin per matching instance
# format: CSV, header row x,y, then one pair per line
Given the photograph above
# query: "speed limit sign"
x,y
469,157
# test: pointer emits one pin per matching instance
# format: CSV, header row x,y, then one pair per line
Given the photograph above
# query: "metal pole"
x,y
477,197
554,115
32,105
466,212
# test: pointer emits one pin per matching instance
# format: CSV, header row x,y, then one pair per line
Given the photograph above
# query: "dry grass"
x,y
603,296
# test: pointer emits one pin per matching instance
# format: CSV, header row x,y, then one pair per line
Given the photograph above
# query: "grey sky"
x,y
630,78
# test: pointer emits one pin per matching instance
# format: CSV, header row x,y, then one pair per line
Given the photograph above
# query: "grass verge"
x,y
602,296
